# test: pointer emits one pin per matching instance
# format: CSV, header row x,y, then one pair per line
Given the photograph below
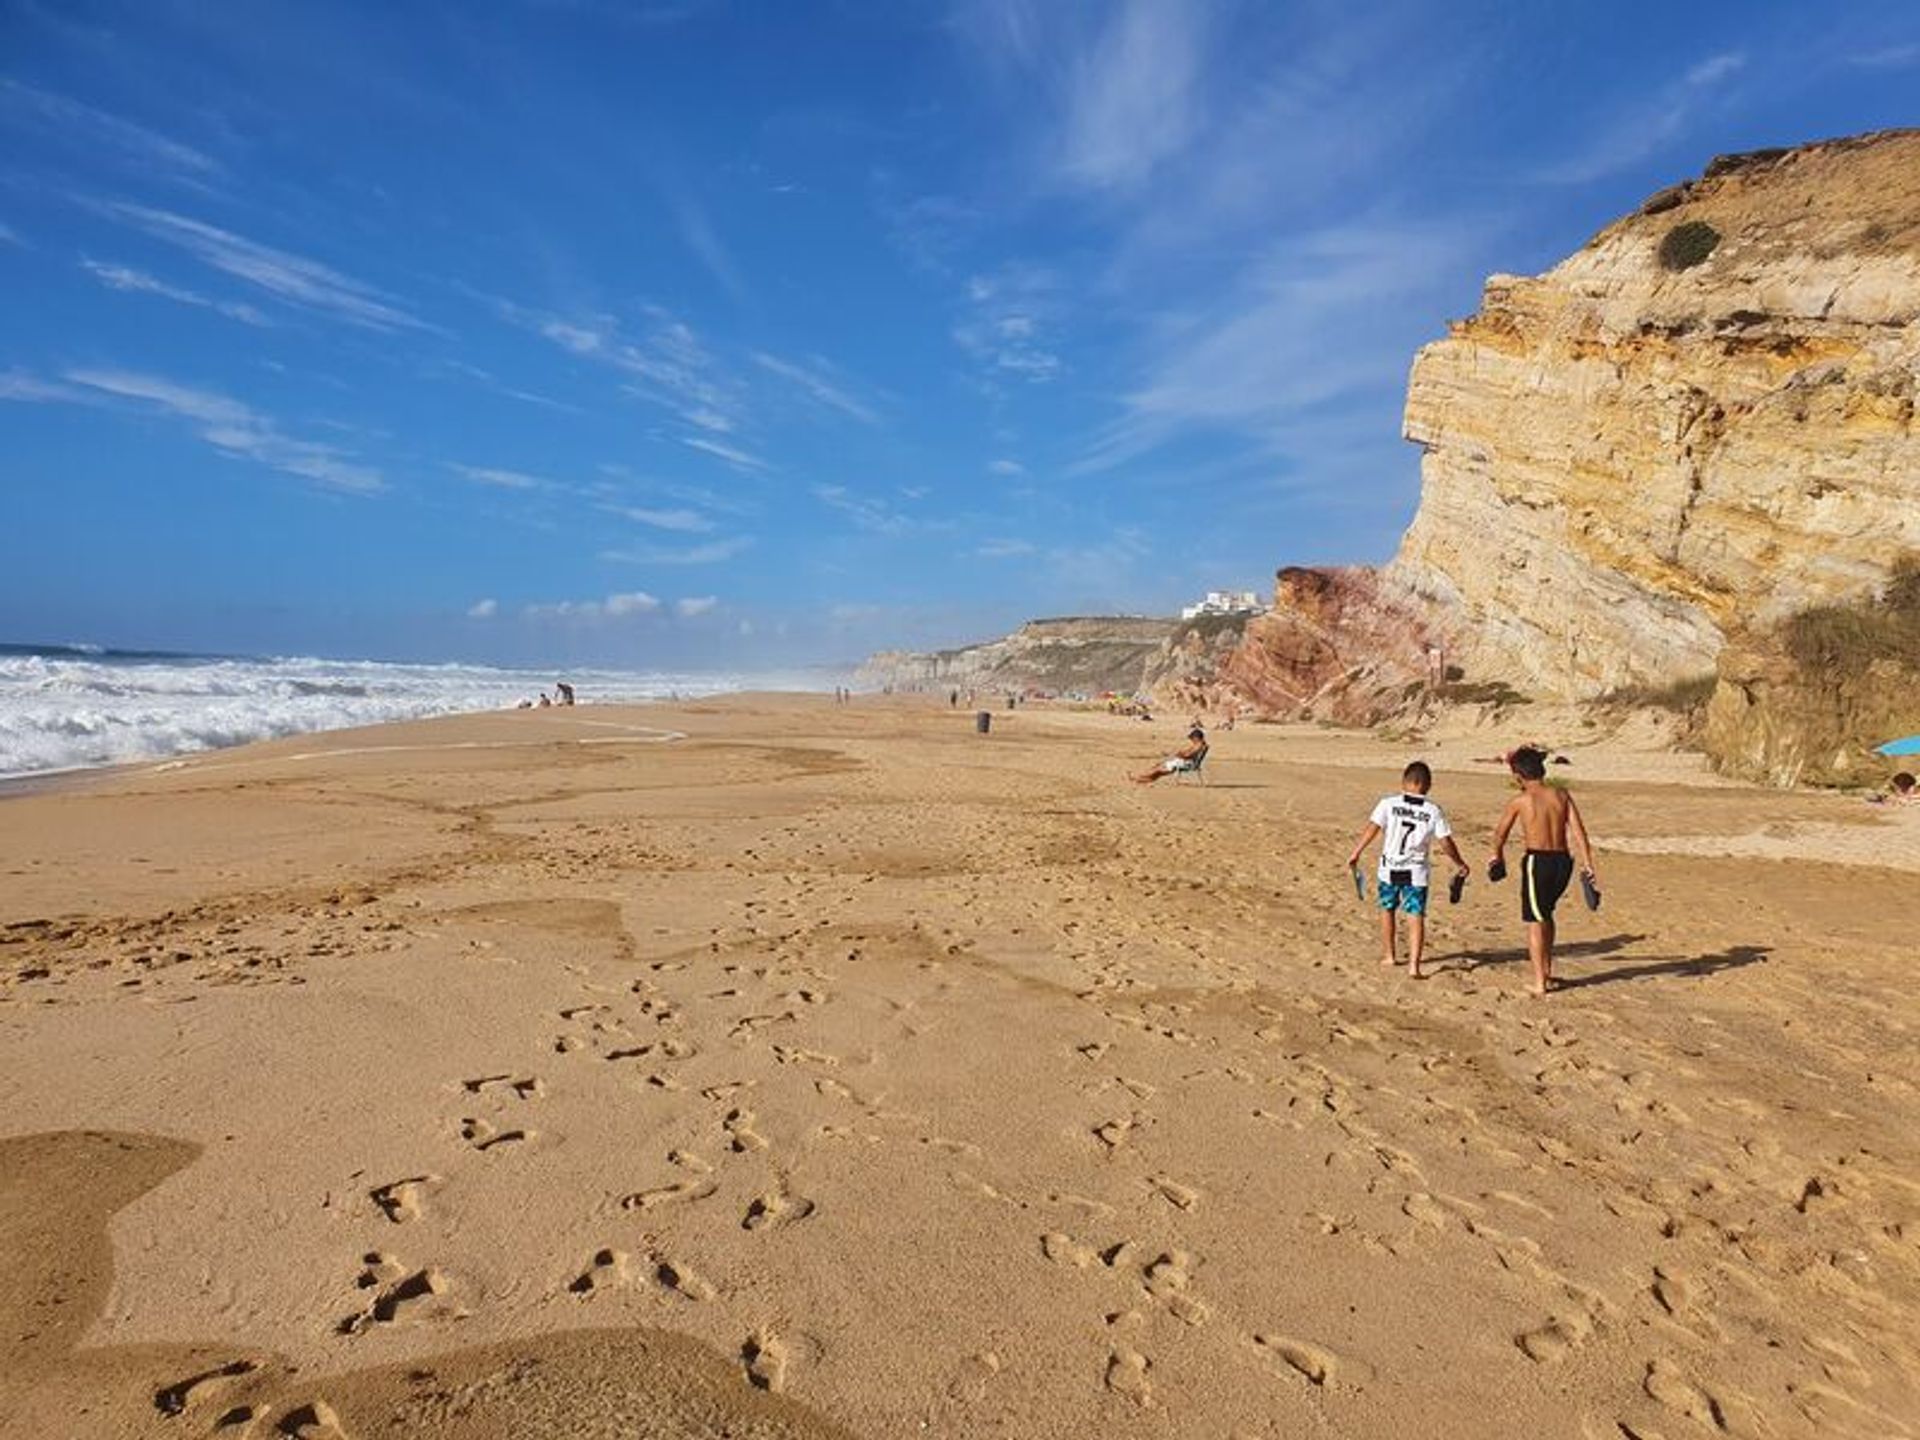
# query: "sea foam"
x,y
66,708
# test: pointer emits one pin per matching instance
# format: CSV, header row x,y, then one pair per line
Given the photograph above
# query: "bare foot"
x,y
1414,972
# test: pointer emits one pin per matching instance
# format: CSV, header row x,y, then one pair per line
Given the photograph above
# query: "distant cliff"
x,y
1084,655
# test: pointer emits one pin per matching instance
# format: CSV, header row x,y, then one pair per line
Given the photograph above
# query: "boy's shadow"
x,y
1732,958
1606,945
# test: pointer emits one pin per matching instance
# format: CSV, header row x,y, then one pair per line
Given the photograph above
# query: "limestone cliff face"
x,y
1631,458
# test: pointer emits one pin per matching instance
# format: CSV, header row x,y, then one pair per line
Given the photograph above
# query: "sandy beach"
x,y
767,1067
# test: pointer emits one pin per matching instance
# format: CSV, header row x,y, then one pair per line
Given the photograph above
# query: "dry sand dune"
x,y
784,1069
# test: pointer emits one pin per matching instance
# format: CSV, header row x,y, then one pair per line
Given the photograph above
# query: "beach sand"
x,y
766,1067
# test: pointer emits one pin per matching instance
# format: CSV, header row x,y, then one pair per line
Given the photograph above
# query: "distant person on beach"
x,y
544,701
1407,824
1187,757
1548,818
563,691
1902,789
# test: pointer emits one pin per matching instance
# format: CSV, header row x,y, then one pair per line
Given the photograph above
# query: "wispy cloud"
x,y
125,278
1643,127
1005,549
1133,99
231,428
714,552
818,380
683,521
1008,315
732,454
1891,57
96,129
292,279
696,232
695,605
499,479
1006,467
867,512
1313,327
10,236
483,609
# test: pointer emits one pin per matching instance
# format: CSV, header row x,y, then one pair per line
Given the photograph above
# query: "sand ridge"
x,y
948,1084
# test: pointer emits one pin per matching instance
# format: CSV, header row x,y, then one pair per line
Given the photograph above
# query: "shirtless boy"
x,y
1547,818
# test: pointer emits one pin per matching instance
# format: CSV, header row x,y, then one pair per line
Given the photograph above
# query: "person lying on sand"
x,y
1187,757
1547,817
1901,790
1408,824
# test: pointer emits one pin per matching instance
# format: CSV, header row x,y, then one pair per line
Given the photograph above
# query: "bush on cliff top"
x,y
1846,638
1687,244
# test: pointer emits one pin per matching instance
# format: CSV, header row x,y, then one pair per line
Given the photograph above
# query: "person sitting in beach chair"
x,y
1901,790
1187,760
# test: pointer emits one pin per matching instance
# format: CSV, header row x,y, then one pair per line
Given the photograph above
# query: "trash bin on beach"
x,y
983,721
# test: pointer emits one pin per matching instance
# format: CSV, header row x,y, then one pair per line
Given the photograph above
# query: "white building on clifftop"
x,y
1224,602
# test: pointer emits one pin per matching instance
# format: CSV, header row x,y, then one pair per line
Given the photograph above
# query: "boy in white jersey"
x,y
1407,824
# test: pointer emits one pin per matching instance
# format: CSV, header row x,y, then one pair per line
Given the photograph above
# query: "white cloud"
x,y
621,606
97,129
27,389
1005,549
1892,57
818,381
483,610
1640,129
289,278
869,513
1006,467
1007,312
695,605
697,233
714,552
10,236
499,479
1134,97
732,454
234,429
125,278
685,521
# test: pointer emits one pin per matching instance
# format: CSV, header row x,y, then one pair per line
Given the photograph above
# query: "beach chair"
x,y
1194,769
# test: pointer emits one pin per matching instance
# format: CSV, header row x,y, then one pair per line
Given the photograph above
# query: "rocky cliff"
x,y
1084,655
1700,424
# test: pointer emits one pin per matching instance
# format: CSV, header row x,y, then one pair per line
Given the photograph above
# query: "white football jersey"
x,y
1409,824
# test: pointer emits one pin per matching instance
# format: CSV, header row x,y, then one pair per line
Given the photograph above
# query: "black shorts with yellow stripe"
x,y
1544,877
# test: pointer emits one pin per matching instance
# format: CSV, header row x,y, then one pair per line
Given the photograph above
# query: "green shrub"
x,y
1680,696
1847,638
1687,244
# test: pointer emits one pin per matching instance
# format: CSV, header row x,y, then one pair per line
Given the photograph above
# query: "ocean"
x,y
75,707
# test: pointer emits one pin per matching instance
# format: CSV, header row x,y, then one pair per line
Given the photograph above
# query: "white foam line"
x,y
652,737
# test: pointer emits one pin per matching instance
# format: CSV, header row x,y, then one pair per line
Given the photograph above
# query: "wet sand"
x,y
767,1067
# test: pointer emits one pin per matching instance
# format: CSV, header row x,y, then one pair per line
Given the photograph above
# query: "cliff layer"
x,y
1701,423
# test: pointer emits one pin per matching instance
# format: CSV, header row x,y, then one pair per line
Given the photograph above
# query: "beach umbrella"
x,y
1908,746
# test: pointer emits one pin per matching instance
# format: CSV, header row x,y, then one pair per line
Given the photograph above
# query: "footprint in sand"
x,y
403,1200
484,1137
1315,1364
526,1087
199,1389
607,1269
1181,1197
1113,1133
406,1298
688,1190
741,1135
1672,1389
314,1420
679,1277
1168,1280
1556,1339
1127,1376
775,1208
766,1360
1063,1249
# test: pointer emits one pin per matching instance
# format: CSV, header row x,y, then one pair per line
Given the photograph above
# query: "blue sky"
x,y
687,332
